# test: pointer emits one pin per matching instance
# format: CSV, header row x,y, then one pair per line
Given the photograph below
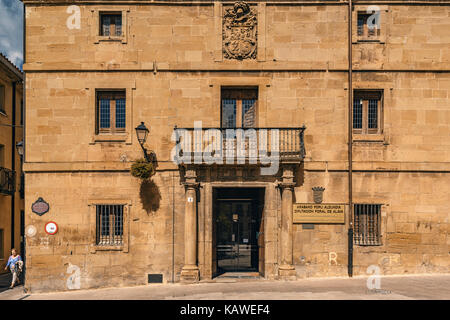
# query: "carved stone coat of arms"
x,y
240,32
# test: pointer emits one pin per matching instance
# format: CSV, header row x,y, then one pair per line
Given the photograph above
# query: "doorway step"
x,y
237,276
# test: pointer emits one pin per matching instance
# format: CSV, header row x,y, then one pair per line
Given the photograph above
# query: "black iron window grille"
x,y
367,224
109,225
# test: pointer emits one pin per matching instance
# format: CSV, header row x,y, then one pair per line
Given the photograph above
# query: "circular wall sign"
x,y
31,231
51,228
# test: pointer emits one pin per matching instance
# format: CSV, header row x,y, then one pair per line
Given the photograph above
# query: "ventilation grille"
x,y
155,278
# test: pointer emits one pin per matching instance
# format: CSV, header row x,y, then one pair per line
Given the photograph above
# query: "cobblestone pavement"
x,y
392,287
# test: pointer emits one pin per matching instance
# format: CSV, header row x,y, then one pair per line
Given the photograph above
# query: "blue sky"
x,y
11,30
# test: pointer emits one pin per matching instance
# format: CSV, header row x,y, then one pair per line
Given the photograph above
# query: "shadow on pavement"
x,y
5,281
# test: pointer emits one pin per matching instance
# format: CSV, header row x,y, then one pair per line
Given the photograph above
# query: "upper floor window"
x,y
368,28
367,224
367,112
2,99
111,24
111,111
239,107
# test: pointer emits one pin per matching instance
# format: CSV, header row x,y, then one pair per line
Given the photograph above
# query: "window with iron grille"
x,y
111,111
367,224
367,112
109,225
364,30
110,24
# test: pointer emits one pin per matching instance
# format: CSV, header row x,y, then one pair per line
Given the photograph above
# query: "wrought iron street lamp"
x,y
142,133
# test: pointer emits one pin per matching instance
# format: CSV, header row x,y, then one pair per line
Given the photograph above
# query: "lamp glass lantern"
x,y
19,148
142,133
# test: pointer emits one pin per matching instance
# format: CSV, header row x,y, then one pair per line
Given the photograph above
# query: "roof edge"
x,y
11,66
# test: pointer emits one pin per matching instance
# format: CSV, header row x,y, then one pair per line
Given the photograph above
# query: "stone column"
x,y
286,269
190,271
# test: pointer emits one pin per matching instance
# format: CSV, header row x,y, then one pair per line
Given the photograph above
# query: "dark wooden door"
x,y
236,236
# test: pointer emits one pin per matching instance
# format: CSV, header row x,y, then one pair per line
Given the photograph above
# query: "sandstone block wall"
x,y
171,66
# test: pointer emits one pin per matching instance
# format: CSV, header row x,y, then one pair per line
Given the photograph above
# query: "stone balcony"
x,y
239,145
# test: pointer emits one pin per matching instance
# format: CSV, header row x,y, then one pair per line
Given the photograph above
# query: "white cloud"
x,y
16,57
11,30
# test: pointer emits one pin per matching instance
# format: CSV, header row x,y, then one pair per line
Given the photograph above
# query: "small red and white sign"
x,y
51,228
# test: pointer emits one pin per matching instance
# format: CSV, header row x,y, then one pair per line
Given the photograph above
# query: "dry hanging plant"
x,y
142,169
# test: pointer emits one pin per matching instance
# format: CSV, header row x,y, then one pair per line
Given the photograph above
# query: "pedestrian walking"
x,y
15,264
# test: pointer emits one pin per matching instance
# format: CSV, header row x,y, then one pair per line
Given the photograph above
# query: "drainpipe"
x,y
350,142
24,92
13,160
173,227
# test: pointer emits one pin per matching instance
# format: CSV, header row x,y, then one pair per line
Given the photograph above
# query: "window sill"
x,y
368,138
3,113
110,39
364,40
109,248
110,137
368,245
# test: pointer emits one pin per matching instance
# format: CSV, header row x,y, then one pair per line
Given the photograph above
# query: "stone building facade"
x,y
96,70
11,184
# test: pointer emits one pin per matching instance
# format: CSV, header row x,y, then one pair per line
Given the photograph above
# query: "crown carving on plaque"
x,y
239,32
318,194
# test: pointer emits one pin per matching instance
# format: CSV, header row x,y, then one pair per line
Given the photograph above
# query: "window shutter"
x,y
228,113
373,114
120,113
357,113
118,25
104,113
360,25
106,22
248,113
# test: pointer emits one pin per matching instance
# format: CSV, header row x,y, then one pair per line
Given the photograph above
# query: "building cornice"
x,y
308,165
211,2
231,69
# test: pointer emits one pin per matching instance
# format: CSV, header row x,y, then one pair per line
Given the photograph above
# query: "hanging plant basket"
x,y
142,169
